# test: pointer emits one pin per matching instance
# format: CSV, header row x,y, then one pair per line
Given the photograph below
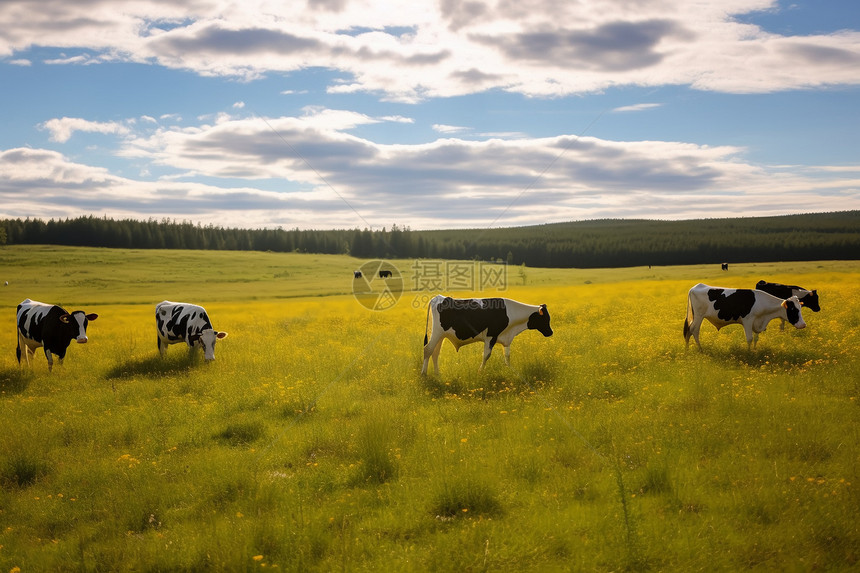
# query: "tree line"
x,y
581,244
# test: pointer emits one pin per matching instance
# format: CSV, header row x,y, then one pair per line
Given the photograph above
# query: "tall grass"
x,y
313,443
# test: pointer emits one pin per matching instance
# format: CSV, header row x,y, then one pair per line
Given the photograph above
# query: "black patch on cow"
x,y
540,321
792,312
734,306
177,326
469,317
809,300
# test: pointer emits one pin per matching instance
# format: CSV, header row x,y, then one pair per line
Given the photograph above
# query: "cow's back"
x,y
469,318
32,316
176,319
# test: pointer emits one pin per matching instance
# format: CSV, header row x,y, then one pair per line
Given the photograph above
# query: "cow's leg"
x,y
429,350
432,350
22,346
693,331
436,352
508,354
752,337
50,358
488,350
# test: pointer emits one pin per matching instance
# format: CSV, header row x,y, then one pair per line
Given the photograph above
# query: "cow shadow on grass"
x,y
15,380
155,366
764,356
494,381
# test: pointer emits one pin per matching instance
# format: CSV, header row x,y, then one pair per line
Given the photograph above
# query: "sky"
x,y
427,114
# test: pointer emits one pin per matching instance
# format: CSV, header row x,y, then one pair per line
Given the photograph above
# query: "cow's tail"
x,y
688,320
427,321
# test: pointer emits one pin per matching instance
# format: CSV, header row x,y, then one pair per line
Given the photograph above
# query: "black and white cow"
x,y
487,320
51,327
188,323
808,298
753,309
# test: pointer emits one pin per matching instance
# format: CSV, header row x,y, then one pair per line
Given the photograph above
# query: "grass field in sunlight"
x,y
313,442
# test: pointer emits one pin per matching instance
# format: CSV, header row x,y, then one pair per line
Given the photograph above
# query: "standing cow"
x,y
753,309
808,298
51,327
188,323
487,320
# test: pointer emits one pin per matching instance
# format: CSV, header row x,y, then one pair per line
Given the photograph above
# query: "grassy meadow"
x,y
313,443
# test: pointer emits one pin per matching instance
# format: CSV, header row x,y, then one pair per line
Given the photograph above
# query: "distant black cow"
x,y
487,320
384,274
51,327
356,274
725,266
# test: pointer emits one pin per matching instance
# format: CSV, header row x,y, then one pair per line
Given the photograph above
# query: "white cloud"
x,y
397,119
449,129
323,177
63,128
431,49
636,107
21,62
520,181
239,105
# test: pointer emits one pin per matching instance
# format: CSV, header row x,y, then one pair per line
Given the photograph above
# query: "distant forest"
x,y
582,244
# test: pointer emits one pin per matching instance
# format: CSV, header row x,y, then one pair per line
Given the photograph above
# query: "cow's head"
x,y
792,312
78,322
206,340
810,301
540,321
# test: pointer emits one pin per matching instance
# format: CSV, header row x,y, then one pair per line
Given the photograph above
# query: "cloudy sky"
x,y
431,114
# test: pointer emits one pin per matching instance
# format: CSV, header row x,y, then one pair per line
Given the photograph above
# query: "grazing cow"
x,y
753,309
725,266
188,323
356,274
808,298
384,274
487,320
51,327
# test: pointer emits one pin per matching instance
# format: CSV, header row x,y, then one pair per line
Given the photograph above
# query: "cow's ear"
x,y
221,335
92,316
65,319
542,309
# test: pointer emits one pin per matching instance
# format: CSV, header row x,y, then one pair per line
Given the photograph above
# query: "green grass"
x,y
313,443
